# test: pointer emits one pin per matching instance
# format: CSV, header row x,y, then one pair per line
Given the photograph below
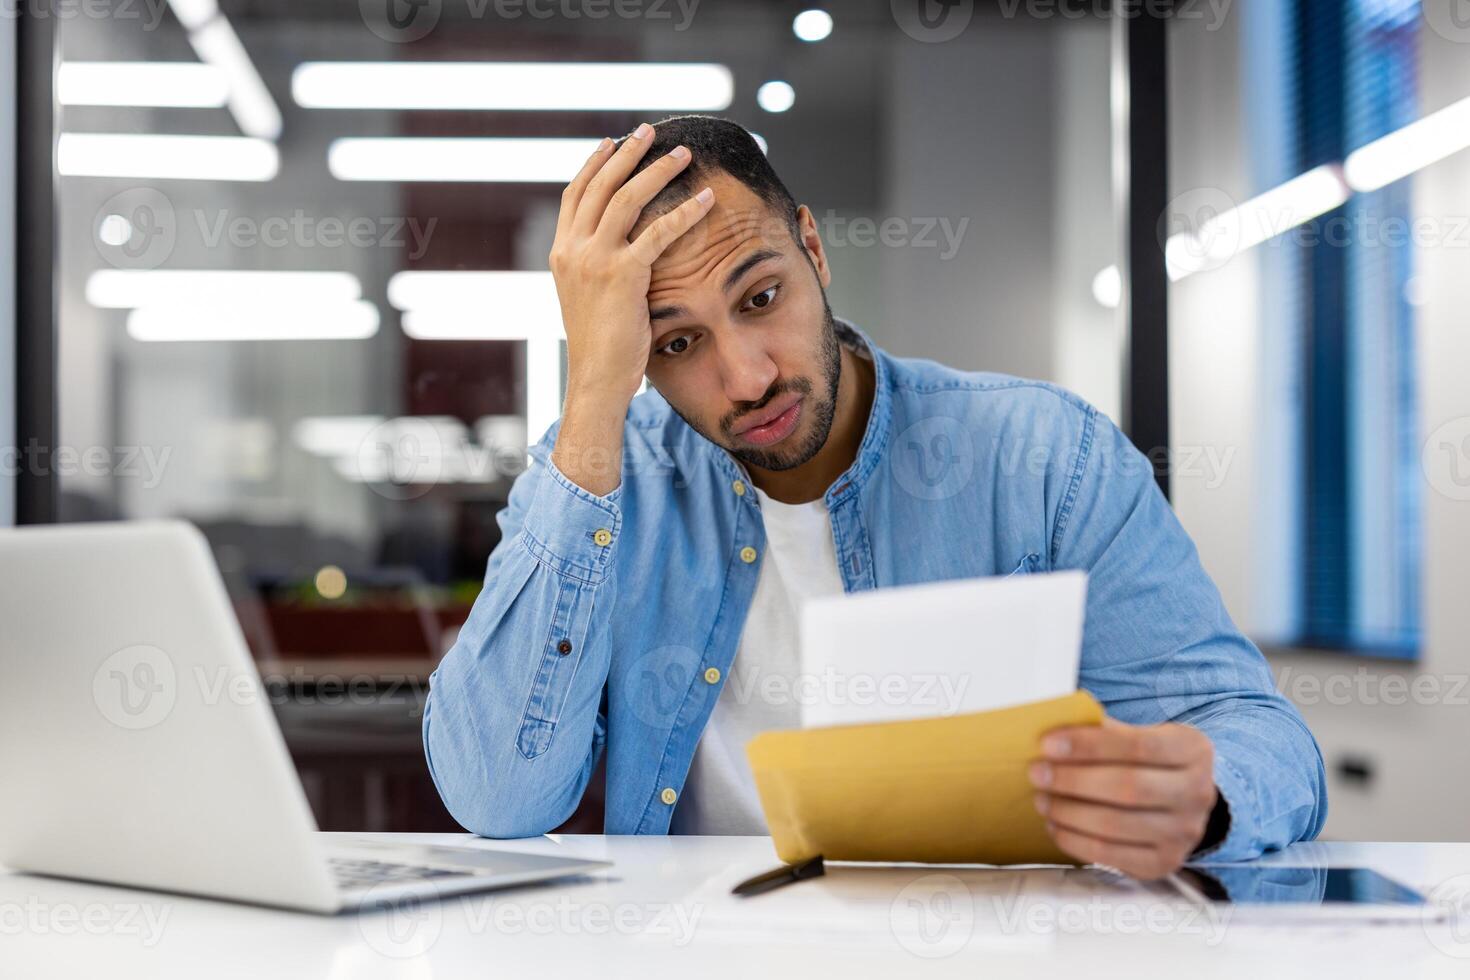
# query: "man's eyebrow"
x,y
736,274
665,313
749,262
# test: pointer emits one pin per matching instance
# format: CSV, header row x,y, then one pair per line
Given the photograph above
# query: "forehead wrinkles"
x,y
702,250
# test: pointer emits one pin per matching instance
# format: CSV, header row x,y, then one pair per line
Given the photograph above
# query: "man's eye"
x,y
764,298
676,346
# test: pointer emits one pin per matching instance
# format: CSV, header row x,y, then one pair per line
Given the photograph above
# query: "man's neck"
x,y
810,480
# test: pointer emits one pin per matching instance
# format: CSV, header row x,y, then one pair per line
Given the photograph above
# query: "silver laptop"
x,y
138,748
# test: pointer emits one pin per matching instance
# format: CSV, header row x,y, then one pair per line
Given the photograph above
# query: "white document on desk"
x,y
946,648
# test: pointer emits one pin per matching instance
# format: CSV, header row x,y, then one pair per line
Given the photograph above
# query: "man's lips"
x,y
771,424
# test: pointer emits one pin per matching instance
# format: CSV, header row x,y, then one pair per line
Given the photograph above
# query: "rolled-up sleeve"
x,y
1158,644
513,725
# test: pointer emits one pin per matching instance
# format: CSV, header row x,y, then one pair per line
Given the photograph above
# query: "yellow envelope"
x,y
938,790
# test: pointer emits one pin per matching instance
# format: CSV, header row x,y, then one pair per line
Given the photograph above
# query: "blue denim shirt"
x,y
601,617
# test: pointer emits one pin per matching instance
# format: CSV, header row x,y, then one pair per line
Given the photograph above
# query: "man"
x,y
655,553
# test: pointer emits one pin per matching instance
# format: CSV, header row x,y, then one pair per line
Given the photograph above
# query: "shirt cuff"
x,y
1237,843
570,530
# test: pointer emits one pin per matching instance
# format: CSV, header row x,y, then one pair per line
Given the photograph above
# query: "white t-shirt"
x,y
760,690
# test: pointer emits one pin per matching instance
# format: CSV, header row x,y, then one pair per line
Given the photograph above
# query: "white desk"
x,y
665,909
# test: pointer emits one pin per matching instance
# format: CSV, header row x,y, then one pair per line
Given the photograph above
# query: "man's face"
x,y
744,346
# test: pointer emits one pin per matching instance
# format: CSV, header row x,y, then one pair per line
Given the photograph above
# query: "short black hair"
x,y
716,145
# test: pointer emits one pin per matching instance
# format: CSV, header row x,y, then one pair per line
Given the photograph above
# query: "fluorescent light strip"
x,y
1289,205
161,84
501,431
1393,157
538,86
460,463
428,448
361,436
488,159
250,101
447,324
522,304
415,449
343,321
543,385
217,44
1231,232
194,14
166,157
449,305
1404,151
133,288
334,435
1278,210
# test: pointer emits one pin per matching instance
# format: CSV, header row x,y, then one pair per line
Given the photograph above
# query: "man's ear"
x,y
811,241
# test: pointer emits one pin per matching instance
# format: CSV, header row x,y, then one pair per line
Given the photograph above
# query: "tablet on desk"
x,y
1304,892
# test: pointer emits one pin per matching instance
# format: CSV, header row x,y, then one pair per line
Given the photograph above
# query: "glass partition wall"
x,y
303,298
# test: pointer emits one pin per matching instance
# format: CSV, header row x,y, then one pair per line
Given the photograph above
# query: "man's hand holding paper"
x,y
1135,797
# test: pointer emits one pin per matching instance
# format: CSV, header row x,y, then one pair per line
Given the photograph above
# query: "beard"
x,y
819,411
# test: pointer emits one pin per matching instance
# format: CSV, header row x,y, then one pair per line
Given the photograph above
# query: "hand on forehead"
x,y
738,223
735,205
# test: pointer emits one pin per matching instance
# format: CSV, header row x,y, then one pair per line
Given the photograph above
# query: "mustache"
x,y
802,385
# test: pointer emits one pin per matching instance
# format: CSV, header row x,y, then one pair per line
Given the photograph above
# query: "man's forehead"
x,y
739,222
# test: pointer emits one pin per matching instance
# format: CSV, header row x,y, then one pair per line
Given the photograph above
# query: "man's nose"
x,y
746,370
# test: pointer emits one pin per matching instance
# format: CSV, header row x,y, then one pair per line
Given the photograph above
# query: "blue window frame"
x,y
1353,71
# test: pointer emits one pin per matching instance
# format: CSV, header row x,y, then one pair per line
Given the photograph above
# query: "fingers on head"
x,y
668,228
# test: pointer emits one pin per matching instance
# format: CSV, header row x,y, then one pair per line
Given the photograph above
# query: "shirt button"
x,y
747,554
602,537
739,487
712,675
564,647
668,795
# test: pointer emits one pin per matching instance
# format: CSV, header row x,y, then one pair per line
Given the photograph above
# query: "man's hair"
x,y
716,145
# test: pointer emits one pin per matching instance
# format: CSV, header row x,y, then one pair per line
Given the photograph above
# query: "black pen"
x,y
784,875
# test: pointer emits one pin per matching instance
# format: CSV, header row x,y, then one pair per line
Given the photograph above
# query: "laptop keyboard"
x,y
359,873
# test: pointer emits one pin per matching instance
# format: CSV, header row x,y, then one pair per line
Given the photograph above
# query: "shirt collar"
x,y
875,437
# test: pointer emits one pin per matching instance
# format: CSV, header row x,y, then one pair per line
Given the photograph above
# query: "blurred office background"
x,y
302,295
